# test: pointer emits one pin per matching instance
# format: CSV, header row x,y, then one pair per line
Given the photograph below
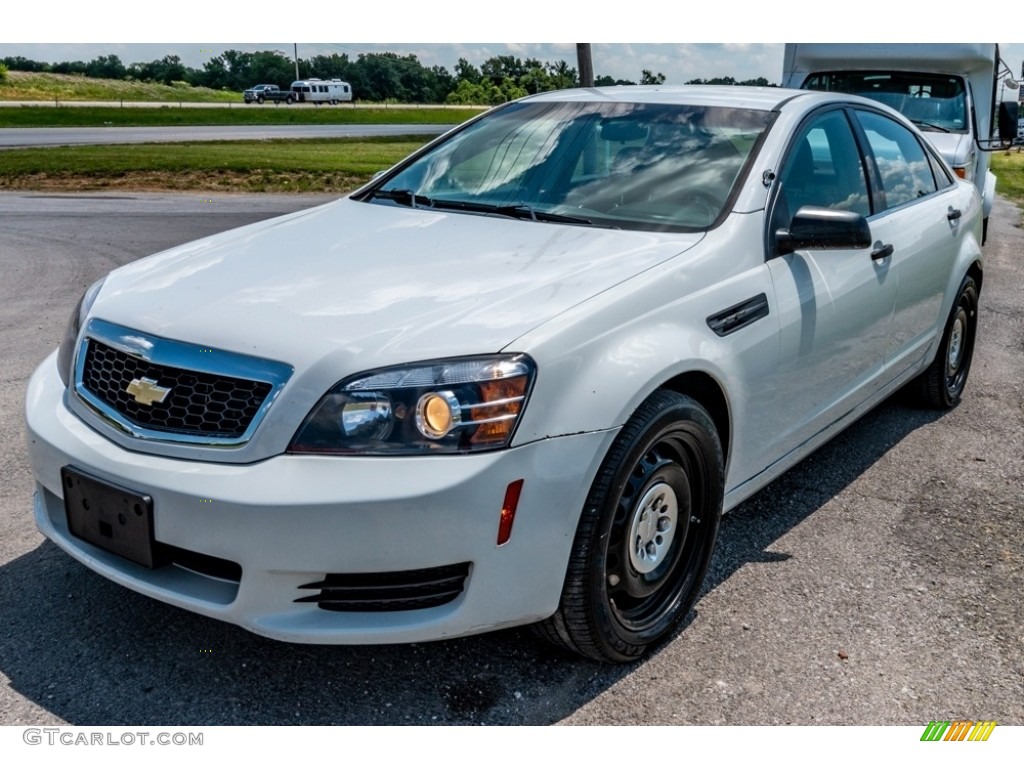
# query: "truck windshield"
x,y
622,165
932,102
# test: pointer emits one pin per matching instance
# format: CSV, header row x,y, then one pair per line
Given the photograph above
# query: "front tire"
x,y
646,535
942,384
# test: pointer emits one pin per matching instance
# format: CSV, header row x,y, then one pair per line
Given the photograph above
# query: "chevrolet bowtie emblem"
x,y
146,391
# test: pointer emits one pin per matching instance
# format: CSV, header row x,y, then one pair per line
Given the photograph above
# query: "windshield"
x,y
932,102
631,166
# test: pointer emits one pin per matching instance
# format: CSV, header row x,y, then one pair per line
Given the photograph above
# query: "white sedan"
x,y
518,377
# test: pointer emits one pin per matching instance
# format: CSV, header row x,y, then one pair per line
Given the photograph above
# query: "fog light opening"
x,y
508,511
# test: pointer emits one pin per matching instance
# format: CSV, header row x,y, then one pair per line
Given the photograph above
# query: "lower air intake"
x,y
392,591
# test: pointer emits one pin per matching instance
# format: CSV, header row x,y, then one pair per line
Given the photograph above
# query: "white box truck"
x,y
949,90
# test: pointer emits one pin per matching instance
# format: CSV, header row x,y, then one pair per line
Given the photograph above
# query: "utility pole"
x,y
586,64
296,61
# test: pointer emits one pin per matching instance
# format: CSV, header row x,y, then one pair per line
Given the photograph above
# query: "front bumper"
x,y
291,520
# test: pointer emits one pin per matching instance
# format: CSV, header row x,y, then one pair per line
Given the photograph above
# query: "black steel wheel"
x,y
646,535
942,384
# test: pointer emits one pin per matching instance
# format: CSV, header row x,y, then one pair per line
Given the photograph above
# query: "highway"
x,y
11,138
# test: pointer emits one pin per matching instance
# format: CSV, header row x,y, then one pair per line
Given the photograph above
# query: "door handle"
x,y
954,214
881,252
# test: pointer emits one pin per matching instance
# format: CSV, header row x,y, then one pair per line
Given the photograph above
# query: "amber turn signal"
x,y
508,511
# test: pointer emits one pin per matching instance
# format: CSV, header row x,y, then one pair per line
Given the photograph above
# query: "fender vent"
x,y
393,591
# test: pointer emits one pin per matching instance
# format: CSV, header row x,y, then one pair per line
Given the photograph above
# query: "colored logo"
x,y
958,730
147,391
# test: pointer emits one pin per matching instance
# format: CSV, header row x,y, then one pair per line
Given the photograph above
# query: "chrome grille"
x,y
197,404
152,388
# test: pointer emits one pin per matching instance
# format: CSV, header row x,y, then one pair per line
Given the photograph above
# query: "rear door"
x,y
920,222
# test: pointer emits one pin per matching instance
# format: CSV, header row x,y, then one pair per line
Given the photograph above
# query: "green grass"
x,y
45,86
266,114
56,95
286,165
1009,170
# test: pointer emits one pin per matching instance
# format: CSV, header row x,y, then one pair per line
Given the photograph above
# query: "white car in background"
x,y
517,378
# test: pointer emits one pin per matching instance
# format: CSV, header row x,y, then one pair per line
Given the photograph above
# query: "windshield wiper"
x,y
930,126
529,212
402,197
521,211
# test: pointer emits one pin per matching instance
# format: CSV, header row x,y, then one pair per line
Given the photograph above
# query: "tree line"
x,y
375,77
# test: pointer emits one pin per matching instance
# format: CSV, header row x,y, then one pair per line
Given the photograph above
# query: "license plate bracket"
x,y
110,516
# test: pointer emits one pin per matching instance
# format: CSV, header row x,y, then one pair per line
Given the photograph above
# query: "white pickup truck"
x,y
948,90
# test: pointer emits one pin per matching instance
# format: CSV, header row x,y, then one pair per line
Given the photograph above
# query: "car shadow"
x,y
89,652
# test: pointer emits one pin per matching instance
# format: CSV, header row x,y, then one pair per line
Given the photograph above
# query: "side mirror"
x,y
823,229
1009,112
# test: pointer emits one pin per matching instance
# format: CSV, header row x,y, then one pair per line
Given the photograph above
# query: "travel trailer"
x,y
321,91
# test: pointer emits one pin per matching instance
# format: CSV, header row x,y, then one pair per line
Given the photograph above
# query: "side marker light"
x,y
508,511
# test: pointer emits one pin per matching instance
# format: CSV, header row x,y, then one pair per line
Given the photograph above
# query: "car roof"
x,y
749,97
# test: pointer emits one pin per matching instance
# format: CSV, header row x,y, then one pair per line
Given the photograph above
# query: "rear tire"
x,y
942,384
646,535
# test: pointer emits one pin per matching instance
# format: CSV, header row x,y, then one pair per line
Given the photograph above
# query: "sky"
x,y
678,62
681,41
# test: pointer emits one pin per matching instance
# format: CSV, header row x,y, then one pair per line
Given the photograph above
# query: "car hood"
x,y
954,147
384,284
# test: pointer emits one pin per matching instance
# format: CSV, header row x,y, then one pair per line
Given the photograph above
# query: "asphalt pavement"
x,y
876,583
11,138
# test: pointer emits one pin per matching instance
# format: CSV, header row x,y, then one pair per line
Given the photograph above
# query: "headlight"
x,y
66,354
450,406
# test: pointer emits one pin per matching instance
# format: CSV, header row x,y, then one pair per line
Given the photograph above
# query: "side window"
x,y
942,177
823,169
902,162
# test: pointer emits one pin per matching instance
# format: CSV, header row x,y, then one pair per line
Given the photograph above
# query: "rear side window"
x,y
903,164
942,177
